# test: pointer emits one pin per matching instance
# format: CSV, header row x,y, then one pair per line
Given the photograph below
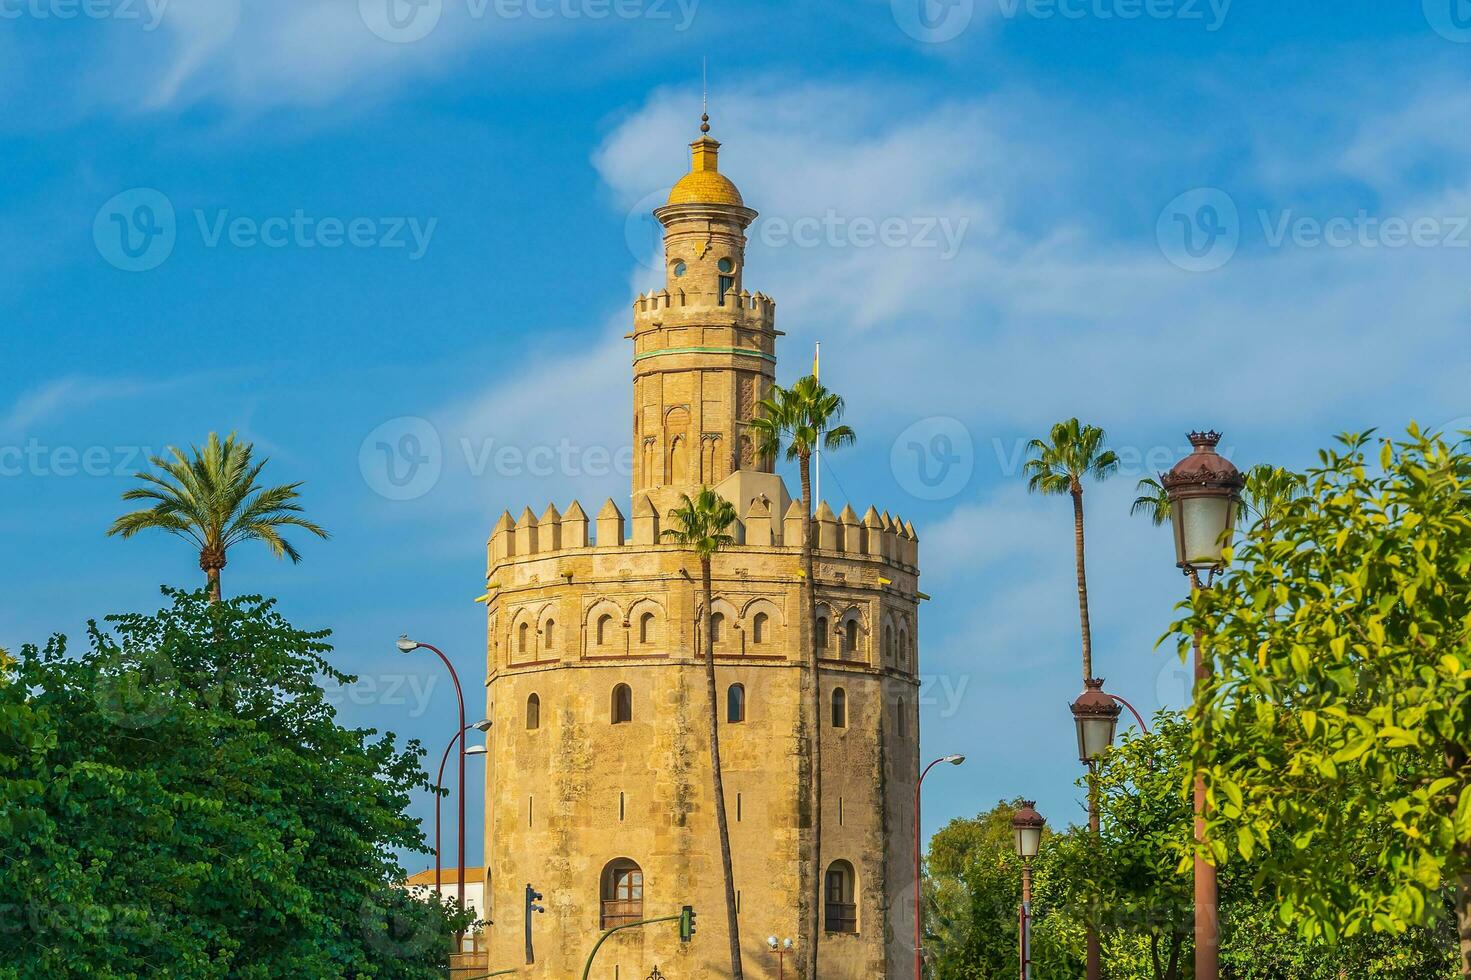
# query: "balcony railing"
x,y
842,917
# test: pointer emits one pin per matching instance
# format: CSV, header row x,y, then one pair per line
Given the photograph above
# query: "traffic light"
x,y
532,897
686,924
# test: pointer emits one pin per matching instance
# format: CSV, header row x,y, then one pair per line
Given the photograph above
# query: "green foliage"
x,y
178,800
972,923
1339,703
1129,871
1128,880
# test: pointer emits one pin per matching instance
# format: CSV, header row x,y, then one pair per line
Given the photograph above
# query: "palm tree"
x,y
798,421
704,525
211,498
1057,467
1269,490
1153,501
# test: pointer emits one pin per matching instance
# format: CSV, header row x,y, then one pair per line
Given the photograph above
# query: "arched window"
x,y
533,713
758,628
888,642
901,719
622,704
717,628
622,893
646,632
547,633
904,647
842,898
605,629
850,637
522,633
821,631
735,704
840,708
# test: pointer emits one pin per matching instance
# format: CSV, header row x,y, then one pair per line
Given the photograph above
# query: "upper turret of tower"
x,y
705,184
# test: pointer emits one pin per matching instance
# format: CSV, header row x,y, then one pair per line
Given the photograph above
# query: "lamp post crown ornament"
x,y
1204,467
1026,816
1093,703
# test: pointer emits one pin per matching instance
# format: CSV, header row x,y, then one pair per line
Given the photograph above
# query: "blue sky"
x,y
1155,214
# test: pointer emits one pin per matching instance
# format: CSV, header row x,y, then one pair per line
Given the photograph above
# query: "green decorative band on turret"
x,y
744,351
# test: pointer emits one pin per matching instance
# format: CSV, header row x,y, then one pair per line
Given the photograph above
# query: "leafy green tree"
x,y
1127,880
703,524
972,922
210,497
1059,466
797,421
1339,696
1127,877
178,800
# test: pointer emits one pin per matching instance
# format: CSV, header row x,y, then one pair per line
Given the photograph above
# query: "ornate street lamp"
x,y
1096,716
1205,495
1026,825
1204,490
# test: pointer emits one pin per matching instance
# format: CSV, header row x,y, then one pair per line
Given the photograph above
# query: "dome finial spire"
x,y
705,97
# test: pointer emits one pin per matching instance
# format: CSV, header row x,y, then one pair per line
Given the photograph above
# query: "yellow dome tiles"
x,y
704,184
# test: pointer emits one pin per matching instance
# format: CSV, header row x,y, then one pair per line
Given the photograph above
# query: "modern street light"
x,y
1204,490
1026,825
482,725
407,645
781,949
954,760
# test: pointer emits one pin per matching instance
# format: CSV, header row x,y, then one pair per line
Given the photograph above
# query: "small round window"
x,y
726,265
678,269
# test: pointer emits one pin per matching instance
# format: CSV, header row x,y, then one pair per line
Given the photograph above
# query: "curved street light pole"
x,y
954,760
439,785
1133,711
409,646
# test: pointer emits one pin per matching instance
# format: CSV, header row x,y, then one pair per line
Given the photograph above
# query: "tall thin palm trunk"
x,y
722,821
1077,493
813,925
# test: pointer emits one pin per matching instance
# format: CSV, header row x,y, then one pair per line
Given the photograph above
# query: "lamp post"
x,y
781,949
1096,716
954,760
407,645
481,726
1026,825
1204,490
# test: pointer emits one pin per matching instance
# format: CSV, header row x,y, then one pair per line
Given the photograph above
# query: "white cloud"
x,y
54,399
1053,304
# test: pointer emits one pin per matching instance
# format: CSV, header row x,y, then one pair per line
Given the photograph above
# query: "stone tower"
x,y
598,774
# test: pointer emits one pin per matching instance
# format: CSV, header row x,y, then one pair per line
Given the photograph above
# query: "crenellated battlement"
x,y
749,309
874,535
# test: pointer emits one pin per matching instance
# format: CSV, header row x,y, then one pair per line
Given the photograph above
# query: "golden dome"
x,y
705,184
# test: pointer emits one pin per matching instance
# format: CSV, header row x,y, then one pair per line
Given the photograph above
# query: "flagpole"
x,y
817,475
